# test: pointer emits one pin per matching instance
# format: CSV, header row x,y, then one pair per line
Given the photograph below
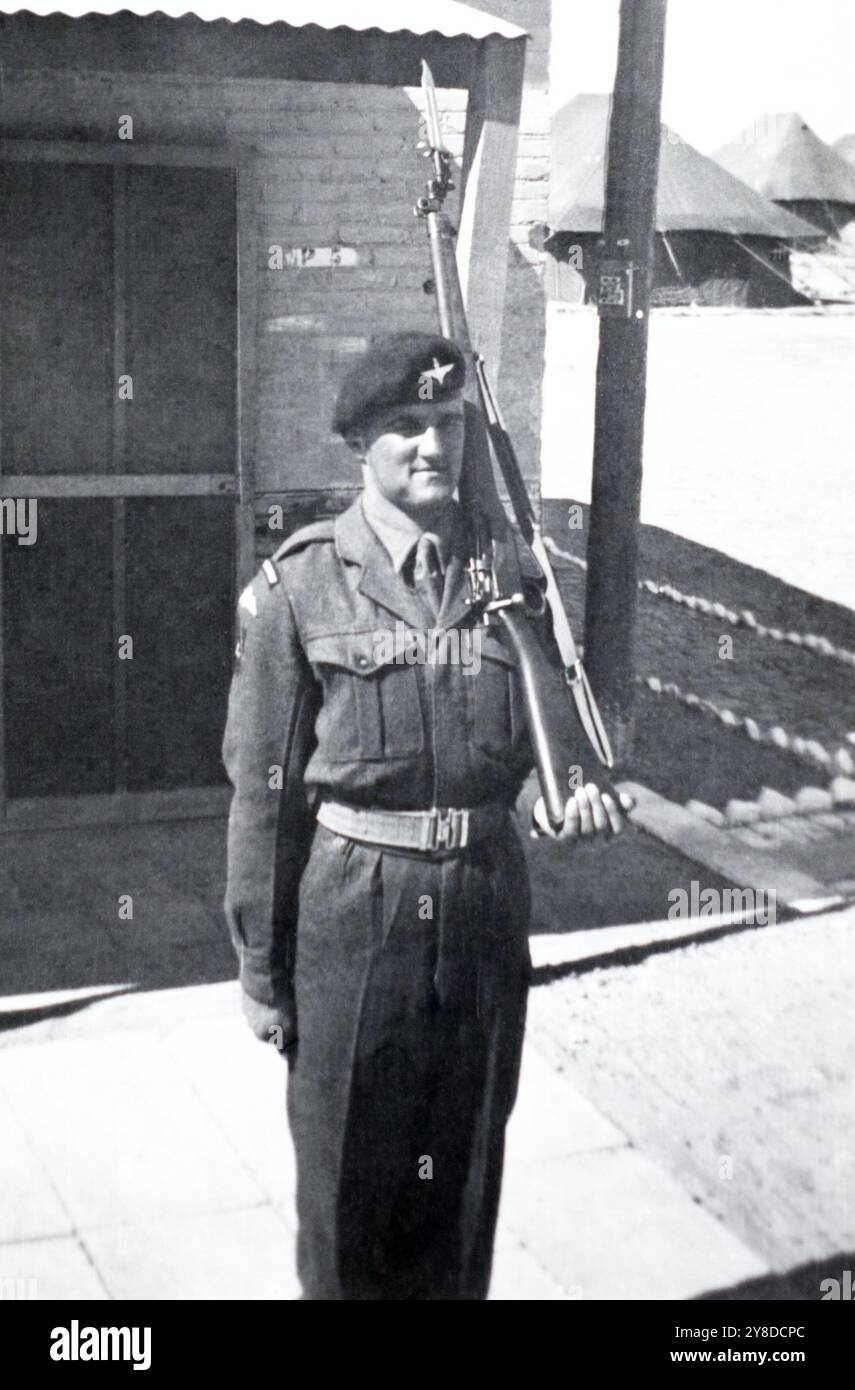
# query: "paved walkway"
x,y
146,1155
145,1148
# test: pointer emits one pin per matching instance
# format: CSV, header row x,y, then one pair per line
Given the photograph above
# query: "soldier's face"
x,y
415,453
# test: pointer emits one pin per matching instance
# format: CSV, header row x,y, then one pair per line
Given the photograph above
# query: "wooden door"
x,y
118,419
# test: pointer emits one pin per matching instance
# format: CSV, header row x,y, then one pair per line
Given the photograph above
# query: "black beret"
x,y
400,369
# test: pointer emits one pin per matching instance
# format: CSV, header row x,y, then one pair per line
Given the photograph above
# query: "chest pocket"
x,y
498,711
372,706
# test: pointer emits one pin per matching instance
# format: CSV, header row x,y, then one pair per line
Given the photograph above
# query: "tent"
x,y
845,146
717,240
780,157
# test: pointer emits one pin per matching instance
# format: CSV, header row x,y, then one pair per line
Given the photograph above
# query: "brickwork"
x,y
332,164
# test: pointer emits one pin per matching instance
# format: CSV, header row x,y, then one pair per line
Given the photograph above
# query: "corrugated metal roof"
x,y
782,158
694,193
447,17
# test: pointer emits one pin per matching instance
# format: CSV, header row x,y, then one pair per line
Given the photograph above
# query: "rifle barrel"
x,y
443,300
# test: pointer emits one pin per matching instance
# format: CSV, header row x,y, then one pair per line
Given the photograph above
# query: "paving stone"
x,y
552,1118
741,812
765,834
615,1226
813,799
719,850
49,1269
707,813
121,1133
783,833
773,803
246,1254
754,837
829,821
518,1276
843,791
809,828
242,1084
29,1205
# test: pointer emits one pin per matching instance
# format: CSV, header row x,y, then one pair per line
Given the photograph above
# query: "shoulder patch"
x,y
248,601
307,535
270,572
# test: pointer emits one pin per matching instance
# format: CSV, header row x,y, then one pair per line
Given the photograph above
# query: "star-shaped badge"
x,y
438,373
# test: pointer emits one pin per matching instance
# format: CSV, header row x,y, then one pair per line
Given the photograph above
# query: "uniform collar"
x,y
358,543
398,532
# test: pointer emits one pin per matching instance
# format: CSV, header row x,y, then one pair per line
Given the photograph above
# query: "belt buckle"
x,y
448,829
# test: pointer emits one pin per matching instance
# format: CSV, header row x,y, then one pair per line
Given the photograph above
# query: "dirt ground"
x,y
748,500
749,434
680,753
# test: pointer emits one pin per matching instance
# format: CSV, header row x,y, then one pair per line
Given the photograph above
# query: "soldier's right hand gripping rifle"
x,y
495,577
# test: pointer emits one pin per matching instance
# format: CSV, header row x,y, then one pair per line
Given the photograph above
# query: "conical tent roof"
x,y
694,193
845,146
780,157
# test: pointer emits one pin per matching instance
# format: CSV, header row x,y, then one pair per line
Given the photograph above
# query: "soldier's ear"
x,y
356,443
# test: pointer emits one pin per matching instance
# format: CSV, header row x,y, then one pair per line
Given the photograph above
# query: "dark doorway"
x,y
118,418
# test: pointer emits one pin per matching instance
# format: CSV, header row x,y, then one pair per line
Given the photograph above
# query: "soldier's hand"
x,y
589,812
271,1023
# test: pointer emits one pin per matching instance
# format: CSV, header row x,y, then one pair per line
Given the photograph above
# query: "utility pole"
x,y
623,279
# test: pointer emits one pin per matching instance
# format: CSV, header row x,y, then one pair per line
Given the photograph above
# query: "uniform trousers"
x,y
411,977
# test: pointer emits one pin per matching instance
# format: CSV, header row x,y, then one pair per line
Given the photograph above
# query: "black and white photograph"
x,y
427,657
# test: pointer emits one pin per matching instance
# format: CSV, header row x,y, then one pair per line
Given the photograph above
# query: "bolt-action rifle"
x,y
495,578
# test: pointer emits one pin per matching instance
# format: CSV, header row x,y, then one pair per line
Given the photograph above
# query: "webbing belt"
x,y
442,829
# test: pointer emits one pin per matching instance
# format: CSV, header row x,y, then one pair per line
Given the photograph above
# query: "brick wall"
x,y
332,165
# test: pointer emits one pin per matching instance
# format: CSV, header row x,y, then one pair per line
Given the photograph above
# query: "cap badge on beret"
x,y
400,369
438,373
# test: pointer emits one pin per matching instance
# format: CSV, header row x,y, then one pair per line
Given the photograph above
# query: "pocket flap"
x,y
361,653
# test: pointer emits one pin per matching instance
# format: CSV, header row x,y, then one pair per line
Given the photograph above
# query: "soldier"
x,y
377,891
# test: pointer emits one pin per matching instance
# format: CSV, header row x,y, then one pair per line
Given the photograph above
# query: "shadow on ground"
x,y
628,878
138,906
635,955
682,754
805,1283
49,1013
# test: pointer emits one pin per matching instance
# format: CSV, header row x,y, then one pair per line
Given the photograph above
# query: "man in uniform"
x,y
377,891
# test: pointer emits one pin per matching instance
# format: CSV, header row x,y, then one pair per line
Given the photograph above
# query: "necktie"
x,y
427,572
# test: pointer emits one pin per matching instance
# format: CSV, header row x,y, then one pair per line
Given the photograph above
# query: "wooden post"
x,y
489,169
623,277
